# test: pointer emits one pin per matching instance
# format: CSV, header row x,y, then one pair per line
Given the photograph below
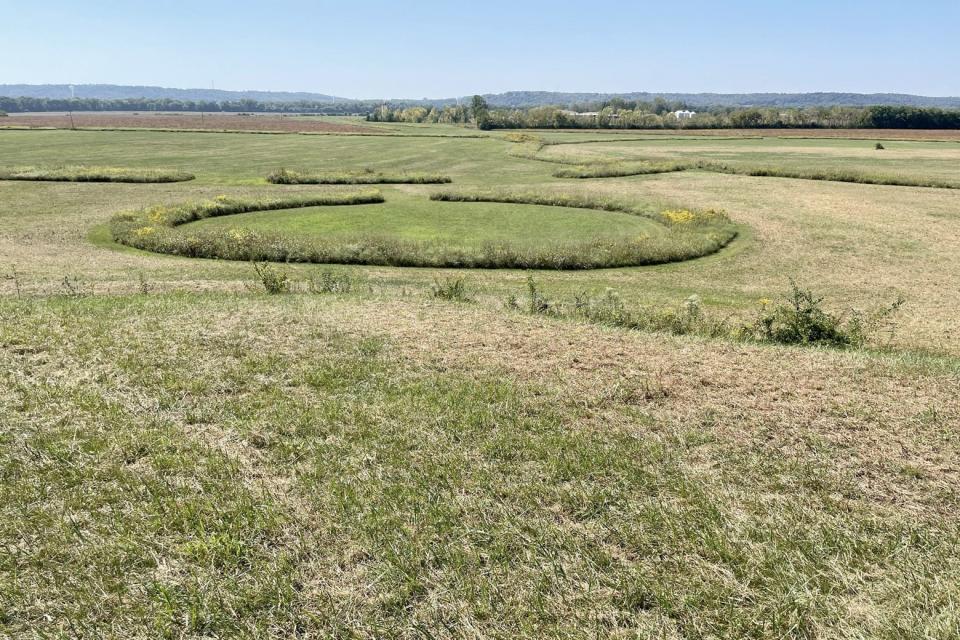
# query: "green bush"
x,y
801,319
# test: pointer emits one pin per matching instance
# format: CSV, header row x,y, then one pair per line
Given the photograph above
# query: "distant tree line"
x,y
616,113
659,114
643,117
26,104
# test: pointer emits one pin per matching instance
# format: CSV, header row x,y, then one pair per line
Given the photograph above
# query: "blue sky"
x,y
440,49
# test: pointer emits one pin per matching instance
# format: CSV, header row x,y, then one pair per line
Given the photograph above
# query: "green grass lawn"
x,y
454,224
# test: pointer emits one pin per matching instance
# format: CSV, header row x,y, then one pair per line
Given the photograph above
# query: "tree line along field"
x,y
185,455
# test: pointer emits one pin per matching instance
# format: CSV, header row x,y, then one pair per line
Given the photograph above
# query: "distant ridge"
x,y
122,92
510,99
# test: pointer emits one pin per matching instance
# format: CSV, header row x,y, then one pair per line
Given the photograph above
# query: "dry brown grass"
x,y
873,416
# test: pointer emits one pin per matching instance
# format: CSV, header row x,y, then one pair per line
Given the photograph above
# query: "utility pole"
x,y
73,97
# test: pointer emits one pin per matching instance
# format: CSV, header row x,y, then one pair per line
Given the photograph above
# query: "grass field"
x,y
461,225
184,455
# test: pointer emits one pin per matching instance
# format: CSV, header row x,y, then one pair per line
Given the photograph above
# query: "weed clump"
x,y
454,289
272,279
330,282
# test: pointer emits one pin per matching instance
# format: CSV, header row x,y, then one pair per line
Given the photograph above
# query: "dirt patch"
x,y
195,121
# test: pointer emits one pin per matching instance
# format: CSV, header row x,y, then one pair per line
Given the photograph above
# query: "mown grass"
x,y
367,176
467,226
82,173
220,476
362,457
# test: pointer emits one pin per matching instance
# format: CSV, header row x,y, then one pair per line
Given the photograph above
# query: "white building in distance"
x,y
683,115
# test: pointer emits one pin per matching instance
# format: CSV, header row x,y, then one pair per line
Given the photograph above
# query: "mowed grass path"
x,y
452,224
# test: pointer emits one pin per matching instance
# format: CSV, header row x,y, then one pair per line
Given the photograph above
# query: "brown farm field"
x,y
393,452
191,121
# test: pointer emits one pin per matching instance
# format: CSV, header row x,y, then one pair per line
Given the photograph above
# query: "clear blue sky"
x,y
440,49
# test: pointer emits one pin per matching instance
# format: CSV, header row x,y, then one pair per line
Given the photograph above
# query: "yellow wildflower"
x,y
679,216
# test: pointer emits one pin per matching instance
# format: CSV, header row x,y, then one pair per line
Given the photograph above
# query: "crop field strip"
x,y
506,452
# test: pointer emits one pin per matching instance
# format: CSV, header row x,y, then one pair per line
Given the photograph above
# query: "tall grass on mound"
x,y
619,169
623,169
829,175
155,228
686,234
799,318
367,176
81,173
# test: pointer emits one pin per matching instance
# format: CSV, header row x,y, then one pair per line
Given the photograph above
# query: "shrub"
x,y
273,279
801,319
538,303
878,147
454,289
367,176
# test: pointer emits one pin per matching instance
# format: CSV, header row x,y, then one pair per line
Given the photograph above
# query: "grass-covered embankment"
x,y
82,173
666,236
619,169
286,176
